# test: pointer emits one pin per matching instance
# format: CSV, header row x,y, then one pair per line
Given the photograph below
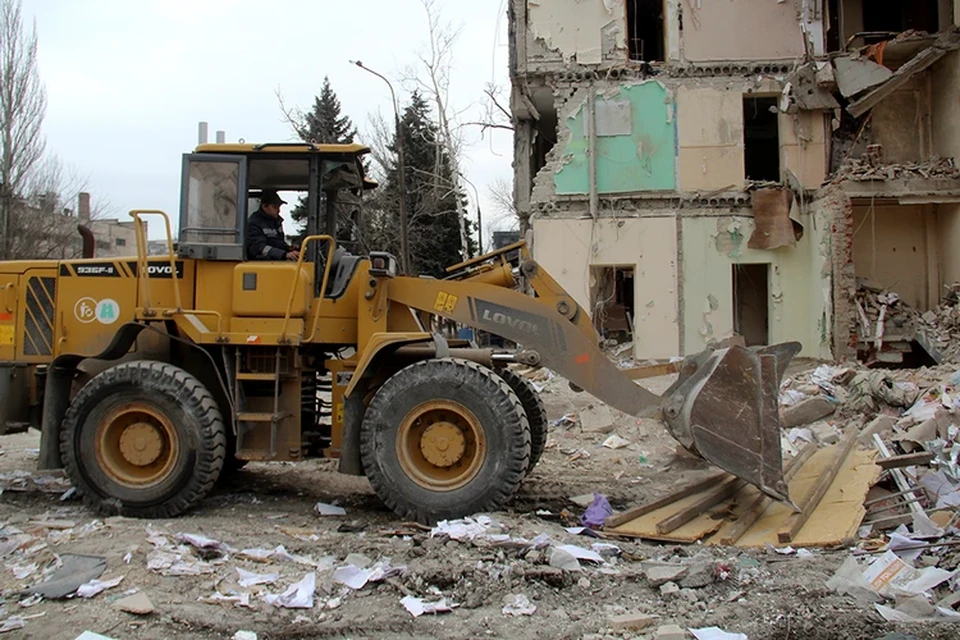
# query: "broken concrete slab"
x,y
880,425
660,573
858,74
631,621
670,632
596,418
138,604
808,88
807,411
669,589
945,42
825,432
699,574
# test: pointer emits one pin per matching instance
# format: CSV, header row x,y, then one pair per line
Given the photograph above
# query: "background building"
x,y
695,170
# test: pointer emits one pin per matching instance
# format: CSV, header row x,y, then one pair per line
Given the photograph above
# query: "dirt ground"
x,y
765,595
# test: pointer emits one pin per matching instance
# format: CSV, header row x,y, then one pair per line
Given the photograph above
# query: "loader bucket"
x,y
724,407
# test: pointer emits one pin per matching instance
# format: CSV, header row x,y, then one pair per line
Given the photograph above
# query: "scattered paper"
x,y
299,595
200,542
417,607
580,553
94,587
325,509
716,633
12,624
517,604
356,578
904,546
22,571
463,529
248,578
886,571
615,442
237,599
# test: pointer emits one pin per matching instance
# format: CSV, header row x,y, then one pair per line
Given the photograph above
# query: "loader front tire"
x,y
143,439
536,412
444,439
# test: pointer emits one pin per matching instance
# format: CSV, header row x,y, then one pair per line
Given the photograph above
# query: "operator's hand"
x,y
293,255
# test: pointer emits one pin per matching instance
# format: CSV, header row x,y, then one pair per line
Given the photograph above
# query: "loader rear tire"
x,y
536,413
143,439
444,439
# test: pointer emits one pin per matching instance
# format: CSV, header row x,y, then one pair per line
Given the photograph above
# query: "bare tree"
x,y
44,218
432,79
23,105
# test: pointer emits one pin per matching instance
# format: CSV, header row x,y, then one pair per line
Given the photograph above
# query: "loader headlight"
x,y
382,264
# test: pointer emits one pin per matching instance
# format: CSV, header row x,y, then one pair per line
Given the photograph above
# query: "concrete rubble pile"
x,y
887,324
905,562
867,167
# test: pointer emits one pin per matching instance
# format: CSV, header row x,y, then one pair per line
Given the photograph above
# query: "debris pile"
x,y
887,325
870,167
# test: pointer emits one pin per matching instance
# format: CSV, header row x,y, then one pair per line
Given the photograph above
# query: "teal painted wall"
x,y
640,161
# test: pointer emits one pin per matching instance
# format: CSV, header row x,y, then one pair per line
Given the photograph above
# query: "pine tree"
x,y
431,198
324,124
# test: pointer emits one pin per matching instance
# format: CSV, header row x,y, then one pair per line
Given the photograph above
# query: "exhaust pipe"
x,y
89,243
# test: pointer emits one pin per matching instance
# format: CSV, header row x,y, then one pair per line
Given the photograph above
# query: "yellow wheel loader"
x,y
150,377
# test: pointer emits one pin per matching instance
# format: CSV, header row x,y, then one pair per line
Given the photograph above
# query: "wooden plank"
x,y
795,522
652,370
718,494
898,476
906,460
756,509
636,512
923,60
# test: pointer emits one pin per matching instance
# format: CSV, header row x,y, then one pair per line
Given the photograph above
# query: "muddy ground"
x,y
764,596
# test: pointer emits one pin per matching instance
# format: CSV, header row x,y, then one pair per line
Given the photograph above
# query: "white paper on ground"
x,y
249,578
580,553
417,607
299,595
239,600
92,588
900,545
517,604
892,615
199,541
888,571
324,509
926,579
463,529
716,633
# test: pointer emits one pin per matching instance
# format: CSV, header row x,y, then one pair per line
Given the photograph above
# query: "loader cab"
x,y
221,185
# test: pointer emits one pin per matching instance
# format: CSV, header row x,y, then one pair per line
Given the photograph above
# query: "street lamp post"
x,y
401,170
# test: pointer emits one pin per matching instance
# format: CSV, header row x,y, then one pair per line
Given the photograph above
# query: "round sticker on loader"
x,y
108,311
85,310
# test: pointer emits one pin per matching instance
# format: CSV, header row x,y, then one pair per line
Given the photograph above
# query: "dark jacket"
x,y
265,239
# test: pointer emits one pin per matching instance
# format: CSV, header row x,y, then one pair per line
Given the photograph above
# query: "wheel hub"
x,y
140,444
443,444
136,445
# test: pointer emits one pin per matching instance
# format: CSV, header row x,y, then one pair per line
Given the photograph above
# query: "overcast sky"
x,y
128,81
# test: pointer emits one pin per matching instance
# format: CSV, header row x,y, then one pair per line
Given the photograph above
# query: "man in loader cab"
x,y
265,239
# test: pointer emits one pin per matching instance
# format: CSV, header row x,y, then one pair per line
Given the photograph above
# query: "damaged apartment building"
x,y
698,169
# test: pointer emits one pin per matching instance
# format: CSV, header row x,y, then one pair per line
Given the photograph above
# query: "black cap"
x,y
269,196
